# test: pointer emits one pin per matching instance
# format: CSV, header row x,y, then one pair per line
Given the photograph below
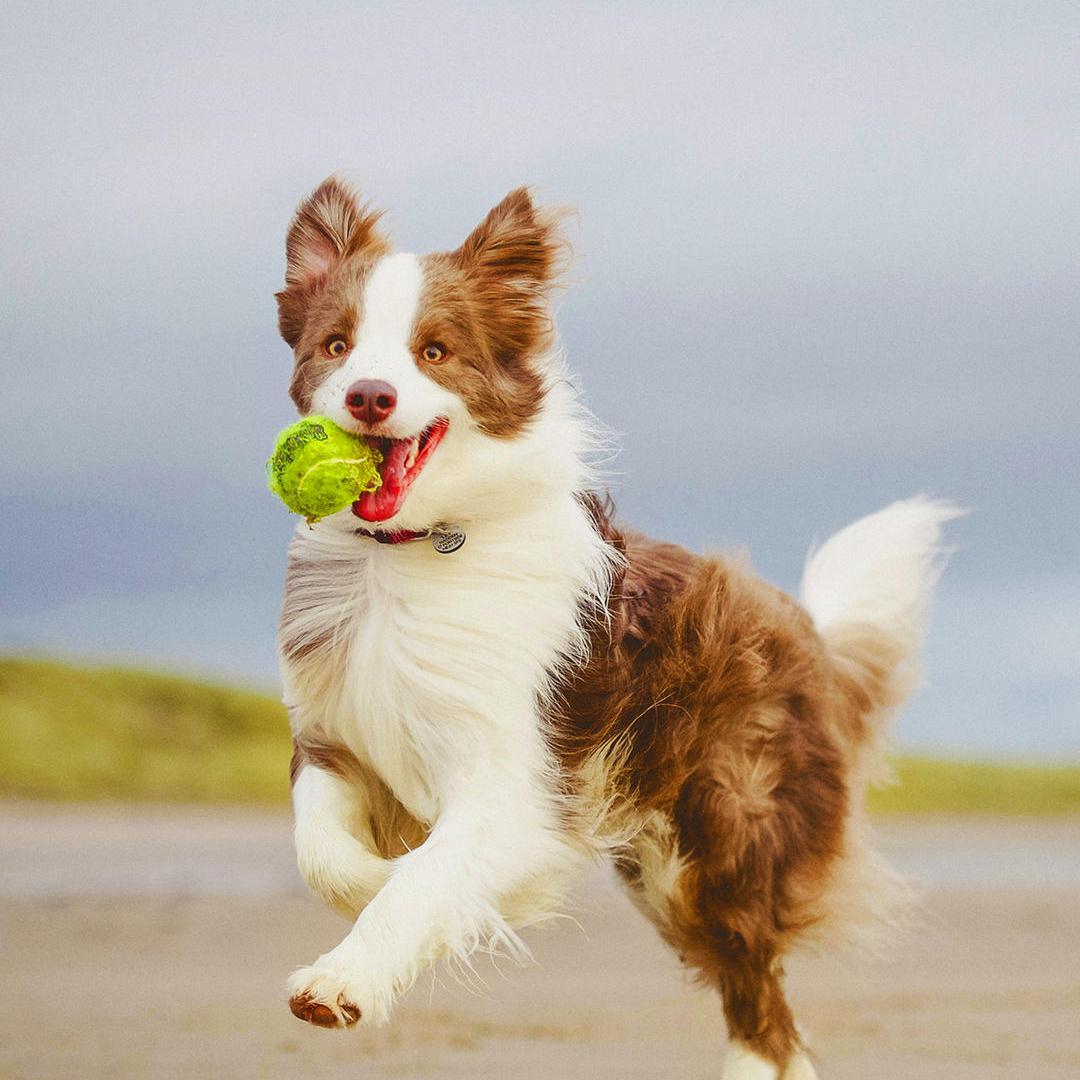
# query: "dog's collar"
x,y
444,538
394,536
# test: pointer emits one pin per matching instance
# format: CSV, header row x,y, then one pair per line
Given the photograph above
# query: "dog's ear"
x,y
330,225
516,244
512,260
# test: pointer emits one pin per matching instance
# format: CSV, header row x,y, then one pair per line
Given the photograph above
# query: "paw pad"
x,y
304,1007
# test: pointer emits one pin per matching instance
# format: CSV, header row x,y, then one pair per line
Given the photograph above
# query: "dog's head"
x,y
438,360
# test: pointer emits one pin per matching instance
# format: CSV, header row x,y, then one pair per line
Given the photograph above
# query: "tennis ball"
x,y
317,469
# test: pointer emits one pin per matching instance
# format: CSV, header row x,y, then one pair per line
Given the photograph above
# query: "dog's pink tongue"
x,y
386,502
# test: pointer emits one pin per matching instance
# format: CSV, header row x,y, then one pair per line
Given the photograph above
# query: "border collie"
x,y
489,681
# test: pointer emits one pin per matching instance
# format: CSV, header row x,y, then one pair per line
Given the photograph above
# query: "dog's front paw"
x,y
346,985
323,997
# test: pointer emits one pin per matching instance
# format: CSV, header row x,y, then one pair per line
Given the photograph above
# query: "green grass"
x,y
929,786
91,733
99,733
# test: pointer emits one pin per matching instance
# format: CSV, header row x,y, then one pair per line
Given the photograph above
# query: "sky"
x,y
843,237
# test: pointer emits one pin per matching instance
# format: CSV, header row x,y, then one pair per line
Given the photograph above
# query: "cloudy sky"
x,y
846,238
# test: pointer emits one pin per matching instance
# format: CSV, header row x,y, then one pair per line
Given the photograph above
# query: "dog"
x,y
490,681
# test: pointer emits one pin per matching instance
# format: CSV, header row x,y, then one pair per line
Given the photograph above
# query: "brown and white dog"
x,y
471,725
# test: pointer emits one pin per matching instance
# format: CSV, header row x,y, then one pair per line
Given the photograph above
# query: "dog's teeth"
x,y
410,461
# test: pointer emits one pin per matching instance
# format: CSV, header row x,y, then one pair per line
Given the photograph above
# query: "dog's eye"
x,y
434,352
336,346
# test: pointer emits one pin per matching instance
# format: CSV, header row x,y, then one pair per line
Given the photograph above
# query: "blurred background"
x,y
847,235
844,233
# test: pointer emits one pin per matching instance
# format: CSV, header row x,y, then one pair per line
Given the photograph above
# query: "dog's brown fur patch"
x,y
728,727
486,303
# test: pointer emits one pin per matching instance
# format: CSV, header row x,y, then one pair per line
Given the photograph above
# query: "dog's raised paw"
x,y
315,1012
321,1002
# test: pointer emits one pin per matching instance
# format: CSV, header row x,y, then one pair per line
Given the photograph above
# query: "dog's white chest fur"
x,y
432,656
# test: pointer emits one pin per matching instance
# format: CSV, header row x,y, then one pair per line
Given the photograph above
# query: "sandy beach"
x,y
155,943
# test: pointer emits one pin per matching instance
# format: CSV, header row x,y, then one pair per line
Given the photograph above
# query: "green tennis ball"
x,y
317,469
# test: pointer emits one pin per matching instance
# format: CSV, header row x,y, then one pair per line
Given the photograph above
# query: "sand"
x,y
155,943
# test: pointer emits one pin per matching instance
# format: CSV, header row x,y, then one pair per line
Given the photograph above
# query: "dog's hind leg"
x,y
724,917
726,951
730,923
763,1041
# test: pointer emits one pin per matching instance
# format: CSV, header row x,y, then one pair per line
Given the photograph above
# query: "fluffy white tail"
x,y
868,590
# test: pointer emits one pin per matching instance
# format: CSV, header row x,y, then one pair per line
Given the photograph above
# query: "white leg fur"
x,y
441,899
799,1068
334,848
743,1064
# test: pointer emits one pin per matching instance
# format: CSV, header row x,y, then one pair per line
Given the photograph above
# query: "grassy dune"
x,y
100,733
930,786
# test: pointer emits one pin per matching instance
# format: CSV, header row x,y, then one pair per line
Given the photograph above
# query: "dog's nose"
x,y
371,400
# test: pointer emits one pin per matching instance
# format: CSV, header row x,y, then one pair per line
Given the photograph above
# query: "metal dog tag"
x,y
448,539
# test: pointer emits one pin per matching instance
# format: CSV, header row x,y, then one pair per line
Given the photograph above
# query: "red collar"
x,y
396,536
445,538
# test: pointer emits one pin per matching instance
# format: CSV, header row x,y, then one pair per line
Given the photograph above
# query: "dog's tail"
x,y
868,590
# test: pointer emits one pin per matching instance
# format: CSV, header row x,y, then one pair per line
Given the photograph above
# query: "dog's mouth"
x,y
402,461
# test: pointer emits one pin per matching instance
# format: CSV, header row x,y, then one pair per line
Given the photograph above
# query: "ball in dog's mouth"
x,y
402,461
